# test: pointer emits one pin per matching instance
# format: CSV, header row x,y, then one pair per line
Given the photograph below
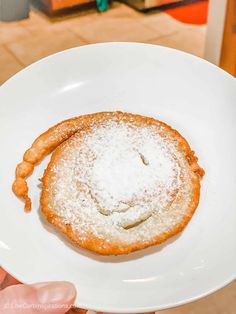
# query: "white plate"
x,y
193,96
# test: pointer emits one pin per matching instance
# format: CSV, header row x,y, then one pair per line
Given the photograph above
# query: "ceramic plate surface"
x,y
190,94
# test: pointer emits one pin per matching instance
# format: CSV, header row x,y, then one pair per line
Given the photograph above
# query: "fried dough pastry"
x,y
40,148
116,182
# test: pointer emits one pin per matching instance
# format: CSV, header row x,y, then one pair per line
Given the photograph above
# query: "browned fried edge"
x,y
101,246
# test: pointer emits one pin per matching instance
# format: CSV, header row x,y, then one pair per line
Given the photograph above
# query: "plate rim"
x,y
113,43
139,309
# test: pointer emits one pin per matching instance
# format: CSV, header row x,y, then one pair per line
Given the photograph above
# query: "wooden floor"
x,y
24,42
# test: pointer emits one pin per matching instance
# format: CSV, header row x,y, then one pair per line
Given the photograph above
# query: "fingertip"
x,y
55,292
49,297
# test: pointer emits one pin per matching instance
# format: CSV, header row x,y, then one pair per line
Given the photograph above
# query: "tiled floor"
x,y
24,42
220,302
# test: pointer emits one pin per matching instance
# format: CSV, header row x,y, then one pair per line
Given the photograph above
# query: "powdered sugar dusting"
x,y
118,181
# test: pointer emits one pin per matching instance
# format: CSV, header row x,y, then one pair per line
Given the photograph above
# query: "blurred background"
x,y
31,30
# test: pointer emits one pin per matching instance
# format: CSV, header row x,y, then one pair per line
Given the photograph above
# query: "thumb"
x,y
49,297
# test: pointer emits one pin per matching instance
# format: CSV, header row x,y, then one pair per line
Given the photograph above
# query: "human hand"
x,y
40,298
48,297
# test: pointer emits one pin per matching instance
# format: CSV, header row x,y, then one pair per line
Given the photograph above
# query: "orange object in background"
x,y
194,13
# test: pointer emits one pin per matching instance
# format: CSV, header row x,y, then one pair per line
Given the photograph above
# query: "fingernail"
x,y
55,292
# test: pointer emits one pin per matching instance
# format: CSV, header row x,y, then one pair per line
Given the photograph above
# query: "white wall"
x,y
215,29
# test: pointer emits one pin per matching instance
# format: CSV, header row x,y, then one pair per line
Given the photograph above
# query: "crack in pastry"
x,y
136,223
122,208
144,159
116,182
134,217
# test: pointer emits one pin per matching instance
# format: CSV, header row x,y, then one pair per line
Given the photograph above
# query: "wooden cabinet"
x,y
228,49
56,5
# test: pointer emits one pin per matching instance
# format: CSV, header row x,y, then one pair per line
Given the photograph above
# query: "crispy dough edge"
x,y
102,246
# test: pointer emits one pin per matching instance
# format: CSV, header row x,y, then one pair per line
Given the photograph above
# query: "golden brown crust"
x,y
56,135
42,146
102,246
105,248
